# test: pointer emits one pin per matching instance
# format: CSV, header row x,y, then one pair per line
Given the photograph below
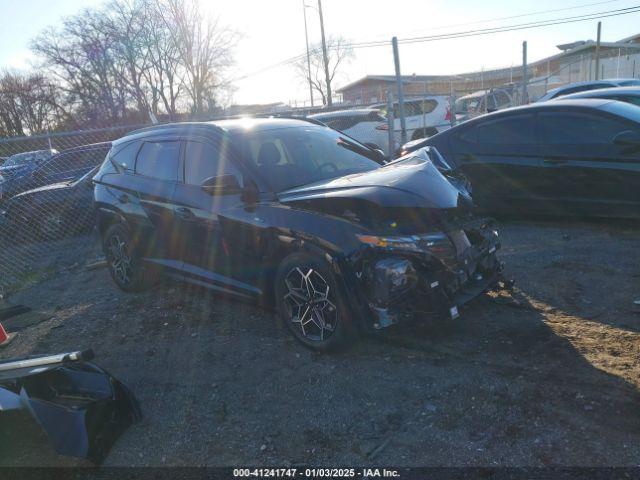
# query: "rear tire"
x,y
125,263
311,304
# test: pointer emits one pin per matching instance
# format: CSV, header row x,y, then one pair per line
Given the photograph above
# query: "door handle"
x,y
184,212
554,161
124,198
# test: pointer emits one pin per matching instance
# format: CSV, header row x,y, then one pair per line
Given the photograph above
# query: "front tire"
x,y
125,263
312,305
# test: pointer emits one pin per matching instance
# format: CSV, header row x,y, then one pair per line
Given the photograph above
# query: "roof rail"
x,y
210,123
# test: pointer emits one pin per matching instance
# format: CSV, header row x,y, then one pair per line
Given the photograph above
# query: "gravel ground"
x,y
548,375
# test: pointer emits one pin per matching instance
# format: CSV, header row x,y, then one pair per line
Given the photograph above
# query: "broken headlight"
x,y
437,244
390,278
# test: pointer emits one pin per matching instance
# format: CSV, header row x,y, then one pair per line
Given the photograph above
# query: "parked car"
x,y
51,212
69,164
424,116
368,126
17,169
481,102
623,94
585,86
560,157
295,214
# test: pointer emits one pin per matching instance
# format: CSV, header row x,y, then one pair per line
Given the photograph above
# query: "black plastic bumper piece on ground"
x,y
81,408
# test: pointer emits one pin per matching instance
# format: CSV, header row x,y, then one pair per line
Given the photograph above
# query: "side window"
x,y
343,123
517,129
631,100
159,160
202,161
572,128
468,135
125,156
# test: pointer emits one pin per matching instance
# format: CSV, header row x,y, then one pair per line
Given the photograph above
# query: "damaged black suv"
x,y
298,216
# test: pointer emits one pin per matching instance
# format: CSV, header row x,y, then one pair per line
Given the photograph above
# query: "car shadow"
x,y
575,388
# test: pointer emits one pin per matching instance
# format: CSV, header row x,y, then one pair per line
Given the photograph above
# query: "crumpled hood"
x,y
410,182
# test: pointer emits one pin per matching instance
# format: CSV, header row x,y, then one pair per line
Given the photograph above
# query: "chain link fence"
x,y
46,202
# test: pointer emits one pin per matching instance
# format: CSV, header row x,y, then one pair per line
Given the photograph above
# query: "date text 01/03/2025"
x,y
315,473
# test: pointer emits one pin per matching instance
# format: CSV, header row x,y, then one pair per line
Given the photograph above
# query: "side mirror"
x,y
222,185
628,138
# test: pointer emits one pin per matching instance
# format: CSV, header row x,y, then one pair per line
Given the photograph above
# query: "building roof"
x,y
392,78
567,50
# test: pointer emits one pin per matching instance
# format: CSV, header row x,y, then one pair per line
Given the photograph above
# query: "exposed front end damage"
x,y
434,273
419,247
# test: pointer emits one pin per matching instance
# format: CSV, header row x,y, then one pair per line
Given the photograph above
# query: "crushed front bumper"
x,y
439,286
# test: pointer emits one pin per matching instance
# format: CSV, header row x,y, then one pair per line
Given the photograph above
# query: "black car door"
x,y
156,174
500,157
212,248
585,171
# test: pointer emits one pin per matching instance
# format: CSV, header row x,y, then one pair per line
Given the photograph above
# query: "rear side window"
x,y
159,160
417,107
572,128
203,161
125,156
517,129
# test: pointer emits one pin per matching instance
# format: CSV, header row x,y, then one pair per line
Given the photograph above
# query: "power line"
x,y
529,14
464,34
506,28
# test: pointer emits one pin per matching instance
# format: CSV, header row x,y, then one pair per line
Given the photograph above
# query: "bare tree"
x,y
121,61
28,103
339,53
80,56
204,47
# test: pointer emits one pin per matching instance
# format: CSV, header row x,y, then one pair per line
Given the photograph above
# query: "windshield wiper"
x,y
344,143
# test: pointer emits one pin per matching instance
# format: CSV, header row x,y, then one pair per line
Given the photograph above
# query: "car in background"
x,y
368,126
585,86
424,116
481,102
17,169
563,157
69,164
51,212
296,215
622,94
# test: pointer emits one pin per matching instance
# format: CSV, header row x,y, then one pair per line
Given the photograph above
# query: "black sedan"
x,y
51,212
561,157
295,215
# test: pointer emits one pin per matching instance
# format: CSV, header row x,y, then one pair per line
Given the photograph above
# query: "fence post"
x,y
396,61
390,125
523,100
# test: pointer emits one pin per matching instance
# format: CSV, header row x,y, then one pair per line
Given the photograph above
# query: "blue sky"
x,y
272,30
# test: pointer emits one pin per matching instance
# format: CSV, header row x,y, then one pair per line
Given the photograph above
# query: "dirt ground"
x,y
547,376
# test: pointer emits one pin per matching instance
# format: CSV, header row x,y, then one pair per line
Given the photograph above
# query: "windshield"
x,y
26,158
19,159
294,156
626,110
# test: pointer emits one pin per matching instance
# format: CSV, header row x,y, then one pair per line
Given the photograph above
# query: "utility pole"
x,y
598,51
306,37
324,55
524,99
396,61
390,126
